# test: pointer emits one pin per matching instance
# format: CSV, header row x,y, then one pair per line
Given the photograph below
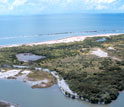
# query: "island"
x,y
89,68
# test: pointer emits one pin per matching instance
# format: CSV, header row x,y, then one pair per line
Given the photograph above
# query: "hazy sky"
x,y
24,7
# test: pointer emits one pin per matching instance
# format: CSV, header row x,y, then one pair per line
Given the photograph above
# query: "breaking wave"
x,y
63,33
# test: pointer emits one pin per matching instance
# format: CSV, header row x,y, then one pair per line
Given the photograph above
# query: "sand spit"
x,y
65,40
9,73
23,76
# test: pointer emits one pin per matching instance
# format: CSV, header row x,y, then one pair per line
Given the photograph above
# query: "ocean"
x,y
28,29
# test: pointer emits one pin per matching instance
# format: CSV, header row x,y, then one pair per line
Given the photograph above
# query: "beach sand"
x,y
64,40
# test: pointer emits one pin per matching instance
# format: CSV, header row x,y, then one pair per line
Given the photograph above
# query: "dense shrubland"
x,y
94,78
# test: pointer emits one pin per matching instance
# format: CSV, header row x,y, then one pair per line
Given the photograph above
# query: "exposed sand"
x,y
42,83
26,72
23,77
7,104
111,48
9,73
65,40
62,83
65,87
100,53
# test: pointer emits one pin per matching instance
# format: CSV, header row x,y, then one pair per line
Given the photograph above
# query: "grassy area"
x,y
94,78
41,75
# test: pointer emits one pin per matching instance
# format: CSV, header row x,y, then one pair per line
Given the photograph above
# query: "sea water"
x,y
27,29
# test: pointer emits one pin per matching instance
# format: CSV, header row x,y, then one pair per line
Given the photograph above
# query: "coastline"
x,y
7,104
64,40
62,83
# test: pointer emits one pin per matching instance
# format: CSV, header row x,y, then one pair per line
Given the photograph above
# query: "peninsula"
x,y
90,68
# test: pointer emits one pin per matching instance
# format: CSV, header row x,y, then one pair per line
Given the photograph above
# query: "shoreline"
x,y
62,83
7,104
63,40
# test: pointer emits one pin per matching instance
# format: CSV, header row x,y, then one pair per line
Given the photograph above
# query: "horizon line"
x,y
59,14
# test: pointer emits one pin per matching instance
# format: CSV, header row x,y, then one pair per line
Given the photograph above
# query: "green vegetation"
x,y
94,78
41,75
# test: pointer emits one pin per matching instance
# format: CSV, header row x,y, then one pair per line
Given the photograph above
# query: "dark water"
x,y
26,29
21,93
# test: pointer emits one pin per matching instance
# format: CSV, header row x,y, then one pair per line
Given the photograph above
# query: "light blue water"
x,y
27,29
101,40
21,93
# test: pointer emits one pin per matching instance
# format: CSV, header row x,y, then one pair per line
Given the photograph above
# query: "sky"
x,y
29,7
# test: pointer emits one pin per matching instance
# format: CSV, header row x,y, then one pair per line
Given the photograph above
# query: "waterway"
x,y
21,93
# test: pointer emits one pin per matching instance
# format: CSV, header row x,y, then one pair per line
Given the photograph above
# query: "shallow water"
x,y
26,57
20,93
101,40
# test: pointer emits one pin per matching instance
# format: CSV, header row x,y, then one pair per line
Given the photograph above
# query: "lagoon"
x,y
101,40
27,57
20,93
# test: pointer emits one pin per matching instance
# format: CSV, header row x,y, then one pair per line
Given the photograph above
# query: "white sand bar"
x,y
64,86
9,73
100,53
26,72
65,40
111,48
71,39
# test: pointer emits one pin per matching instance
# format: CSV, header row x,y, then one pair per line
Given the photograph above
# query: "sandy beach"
x,y
64,40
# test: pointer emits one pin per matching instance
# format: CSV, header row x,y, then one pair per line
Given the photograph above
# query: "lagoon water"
x,y
27,29
20,93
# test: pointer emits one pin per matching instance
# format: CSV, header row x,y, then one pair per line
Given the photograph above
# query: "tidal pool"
x,y
26,57
101,40
20,93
